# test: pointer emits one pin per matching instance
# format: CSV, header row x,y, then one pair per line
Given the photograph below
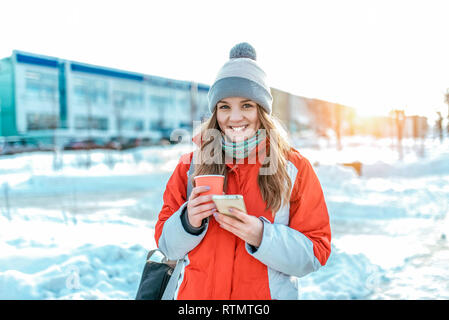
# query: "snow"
x,y
78,225
388,225
45,255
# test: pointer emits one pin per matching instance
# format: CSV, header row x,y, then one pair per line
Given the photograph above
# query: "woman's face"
x,y
238,118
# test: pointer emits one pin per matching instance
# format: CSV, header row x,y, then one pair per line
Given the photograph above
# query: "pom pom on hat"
x,y
243,50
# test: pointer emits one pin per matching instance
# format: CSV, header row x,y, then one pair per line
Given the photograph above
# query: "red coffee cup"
x,y
214,181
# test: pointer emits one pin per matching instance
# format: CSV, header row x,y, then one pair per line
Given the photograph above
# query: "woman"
x,y
286,232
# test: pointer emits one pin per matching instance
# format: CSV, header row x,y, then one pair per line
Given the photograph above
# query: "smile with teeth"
x,y
238,129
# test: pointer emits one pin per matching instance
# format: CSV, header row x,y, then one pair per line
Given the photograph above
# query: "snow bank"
x,y
425,167
388,191
345,276
84,258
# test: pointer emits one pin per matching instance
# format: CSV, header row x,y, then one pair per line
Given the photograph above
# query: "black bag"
x,y
155,277
157,272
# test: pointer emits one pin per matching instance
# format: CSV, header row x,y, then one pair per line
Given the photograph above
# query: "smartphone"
x,y
224,202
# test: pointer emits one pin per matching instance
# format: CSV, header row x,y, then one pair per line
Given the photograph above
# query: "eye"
x,y
247,106
223,106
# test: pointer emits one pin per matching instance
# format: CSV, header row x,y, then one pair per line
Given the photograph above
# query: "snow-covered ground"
x,y
78,225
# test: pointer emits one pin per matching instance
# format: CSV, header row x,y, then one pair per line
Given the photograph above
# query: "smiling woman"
x,y
285,232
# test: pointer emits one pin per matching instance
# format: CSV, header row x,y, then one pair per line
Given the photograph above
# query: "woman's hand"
x,y
199,207
249,228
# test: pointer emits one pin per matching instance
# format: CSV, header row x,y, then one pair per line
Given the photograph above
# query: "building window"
x,y
96,123
90,91
41,121
155,124
160,102
131,124
41,86
125,98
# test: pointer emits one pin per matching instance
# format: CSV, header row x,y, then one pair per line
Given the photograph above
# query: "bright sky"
x,y
371,55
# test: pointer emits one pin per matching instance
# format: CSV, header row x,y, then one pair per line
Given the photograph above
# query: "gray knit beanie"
x,y
241,76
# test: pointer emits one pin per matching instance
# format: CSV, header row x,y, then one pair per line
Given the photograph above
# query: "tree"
x,y
398,117
447,101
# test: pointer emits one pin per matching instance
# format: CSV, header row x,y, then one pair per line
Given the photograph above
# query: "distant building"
x,y
416,127
300,114
54,101
50,98
292,110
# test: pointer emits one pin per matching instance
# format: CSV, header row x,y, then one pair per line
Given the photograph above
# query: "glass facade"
x,y
41,121
131,124
202,111
56,94
92,122
41,86
128,98
89,91
127,94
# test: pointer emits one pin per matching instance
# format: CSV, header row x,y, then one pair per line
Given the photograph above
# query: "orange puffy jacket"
x,y
219,265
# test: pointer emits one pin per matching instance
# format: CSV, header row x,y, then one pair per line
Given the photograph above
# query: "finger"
x,y
206,214
198,190
232,228
205,207
222,218
201,199
239,214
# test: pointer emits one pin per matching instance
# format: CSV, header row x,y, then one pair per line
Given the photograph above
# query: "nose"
x,y
236,115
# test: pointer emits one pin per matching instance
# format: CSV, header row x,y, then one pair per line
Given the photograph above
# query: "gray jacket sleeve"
x,y
175,242
285,249
188,227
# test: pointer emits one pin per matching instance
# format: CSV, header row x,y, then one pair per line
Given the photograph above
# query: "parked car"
x,y
85,144
131,143
18,145
113,144
6,148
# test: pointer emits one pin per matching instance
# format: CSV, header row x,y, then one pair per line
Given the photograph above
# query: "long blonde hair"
x,y
275,186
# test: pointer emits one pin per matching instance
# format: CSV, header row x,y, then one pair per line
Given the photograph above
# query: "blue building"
x,y
54,100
